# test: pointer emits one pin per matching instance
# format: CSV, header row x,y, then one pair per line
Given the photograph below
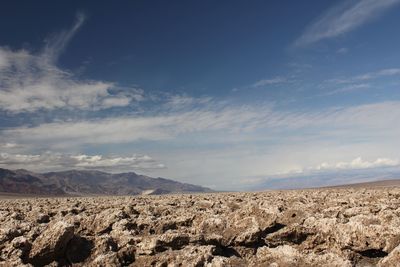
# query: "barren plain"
x,y
316,227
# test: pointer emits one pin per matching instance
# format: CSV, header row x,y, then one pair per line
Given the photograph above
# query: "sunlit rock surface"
x,y
327,227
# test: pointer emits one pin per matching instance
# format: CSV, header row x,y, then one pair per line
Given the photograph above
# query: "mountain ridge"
x,y
89,182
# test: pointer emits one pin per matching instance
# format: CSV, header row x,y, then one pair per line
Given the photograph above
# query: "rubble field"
x,y
320,227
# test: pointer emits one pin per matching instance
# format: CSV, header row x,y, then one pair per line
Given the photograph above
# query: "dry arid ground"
x,y
320,227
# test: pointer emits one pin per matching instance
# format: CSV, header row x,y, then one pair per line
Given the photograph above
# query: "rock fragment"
x,y
43,218
51,244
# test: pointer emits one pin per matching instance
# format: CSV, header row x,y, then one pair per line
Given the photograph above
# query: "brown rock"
x,y
51,244
392,260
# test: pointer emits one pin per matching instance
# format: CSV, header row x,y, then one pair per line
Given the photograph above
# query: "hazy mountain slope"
x,y
383,183
325,179
76,182
24,182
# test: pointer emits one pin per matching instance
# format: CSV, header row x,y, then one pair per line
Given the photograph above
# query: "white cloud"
x,y
8,145
58,161
357,163
31,82
119,101
344,18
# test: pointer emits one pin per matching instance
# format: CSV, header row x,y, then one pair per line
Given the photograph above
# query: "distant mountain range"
x,y
383,183
325,179
83,182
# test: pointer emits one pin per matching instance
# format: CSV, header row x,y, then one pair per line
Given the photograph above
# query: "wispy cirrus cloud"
x,y
367,76
165,125
212,118
343,18
30,82
349,88
182,102
378,74
56,44
271,81
266,82
342,51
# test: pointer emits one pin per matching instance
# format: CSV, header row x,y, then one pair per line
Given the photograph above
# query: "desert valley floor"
x,y
320,227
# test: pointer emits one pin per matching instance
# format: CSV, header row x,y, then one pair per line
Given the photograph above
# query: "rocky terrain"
x,y
84,182
326,227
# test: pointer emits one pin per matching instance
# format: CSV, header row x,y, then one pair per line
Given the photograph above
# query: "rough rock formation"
x,y
51,244
327,227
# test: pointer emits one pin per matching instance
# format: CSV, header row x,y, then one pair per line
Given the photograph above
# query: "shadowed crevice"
x,y
373,253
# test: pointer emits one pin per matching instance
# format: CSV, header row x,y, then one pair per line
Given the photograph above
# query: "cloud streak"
x,y
272,81
365,77
349,88
58,161
56,44
211,118
344,18
165,125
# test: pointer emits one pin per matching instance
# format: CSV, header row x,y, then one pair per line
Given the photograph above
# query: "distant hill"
x,y
77,182
383,183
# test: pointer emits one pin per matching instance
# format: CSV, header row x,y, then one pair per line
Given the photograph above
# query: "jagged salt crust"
x,y
327,227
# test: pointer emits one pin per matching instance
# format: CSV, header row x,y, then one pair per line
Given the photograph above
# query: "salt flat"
x,y
316,227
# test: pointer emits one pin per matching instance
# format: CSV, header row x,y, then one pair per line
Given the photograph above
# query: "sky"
x,y
223,94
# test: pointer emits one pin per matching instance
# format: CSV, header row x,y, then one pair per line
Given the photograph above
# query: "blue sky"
x,y
218,93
